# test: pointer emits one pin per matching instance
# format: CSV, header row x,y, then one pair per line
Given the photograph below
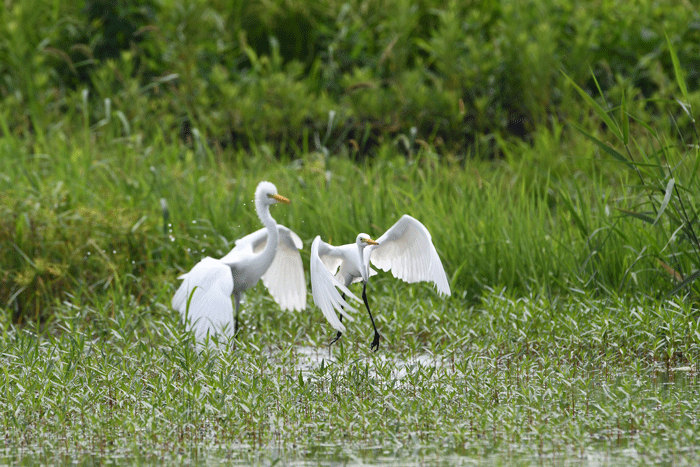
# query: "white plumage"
x,y
211,282
325,258
406,249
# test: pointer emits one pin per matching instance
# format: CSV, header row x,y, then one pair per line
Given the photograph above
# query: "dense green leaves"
x,y
244,73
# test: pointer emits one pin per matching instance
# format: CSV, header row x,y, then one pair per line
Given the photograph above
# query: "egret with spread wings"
x,y
272,253
406,249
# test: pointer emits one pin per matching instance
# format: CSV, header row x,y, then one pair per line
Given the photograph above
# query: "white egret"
x,y
271,253
406,249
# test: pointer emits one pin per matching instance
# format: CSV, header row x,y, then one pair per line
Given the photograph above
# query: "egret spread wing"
x,y
408,251
324,289
210,284
285,276
331,256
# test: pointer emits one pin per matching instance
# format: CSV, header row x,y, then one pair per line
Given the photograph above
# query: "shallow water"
x,y
596,449
310,358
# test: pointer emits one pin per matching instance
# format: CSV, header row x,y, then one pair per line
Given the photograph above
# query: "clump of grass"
x,y
664,186
52,246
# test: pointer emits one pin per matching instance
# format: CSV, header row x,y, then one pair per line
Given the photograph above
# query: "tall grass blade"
x,y
624,117
677,70
637,215
667,198
609,150
670,271
597,108
686,282
568,203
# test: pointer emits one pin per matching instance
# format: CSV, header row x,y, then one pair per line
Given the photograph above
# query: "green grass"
x,y
572,334
557,344
516,379
246,73
535,357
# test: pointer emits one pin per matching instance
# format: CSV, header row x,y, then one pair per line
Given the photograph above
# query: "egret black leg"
x,y
337,336
235,319
375,342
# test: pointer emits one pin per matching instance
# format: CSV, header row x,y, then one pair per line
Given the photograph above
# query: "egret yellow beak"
x,y
280,198
369,241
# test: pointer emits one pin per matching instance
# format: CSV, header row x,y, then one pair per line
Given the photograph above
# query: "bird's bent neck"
x,y
263,211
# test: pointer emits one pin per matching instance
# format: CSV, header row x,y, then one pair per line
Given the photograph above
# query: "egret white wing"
x,y
210,283
255,242
246,246
324,289
285,277
408,251
290,238
330,256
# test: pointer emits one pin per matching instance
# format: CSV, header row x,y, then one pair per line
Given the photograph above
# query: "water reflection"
x,y
311,358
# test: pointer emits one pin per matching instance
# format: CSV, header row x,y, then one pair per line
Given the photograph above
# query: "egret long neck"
x,y
364,268
268,253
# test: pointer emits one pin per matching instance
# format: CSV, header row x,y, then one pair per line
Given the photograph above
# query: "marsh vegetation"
x,y
550,149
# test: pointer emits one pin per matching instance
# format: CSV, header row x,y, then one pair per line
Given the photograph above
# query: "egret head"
x,y
266,193
363,240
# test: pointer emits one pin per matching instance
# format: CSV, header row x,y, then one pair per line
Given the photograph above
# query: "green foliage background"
x,y
457,113
245,73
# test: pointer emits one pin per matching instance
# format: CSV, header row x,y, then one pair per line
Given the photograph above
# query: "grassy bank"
x,y
86,217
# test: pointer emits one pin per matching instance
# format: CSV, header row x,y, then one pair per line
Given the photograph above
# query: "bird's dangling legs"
x,y
237,299
375,342
337,336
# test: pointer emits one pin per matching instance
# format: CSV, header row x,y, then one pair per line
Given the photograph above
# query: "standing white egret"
x,y
271,253
406,249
